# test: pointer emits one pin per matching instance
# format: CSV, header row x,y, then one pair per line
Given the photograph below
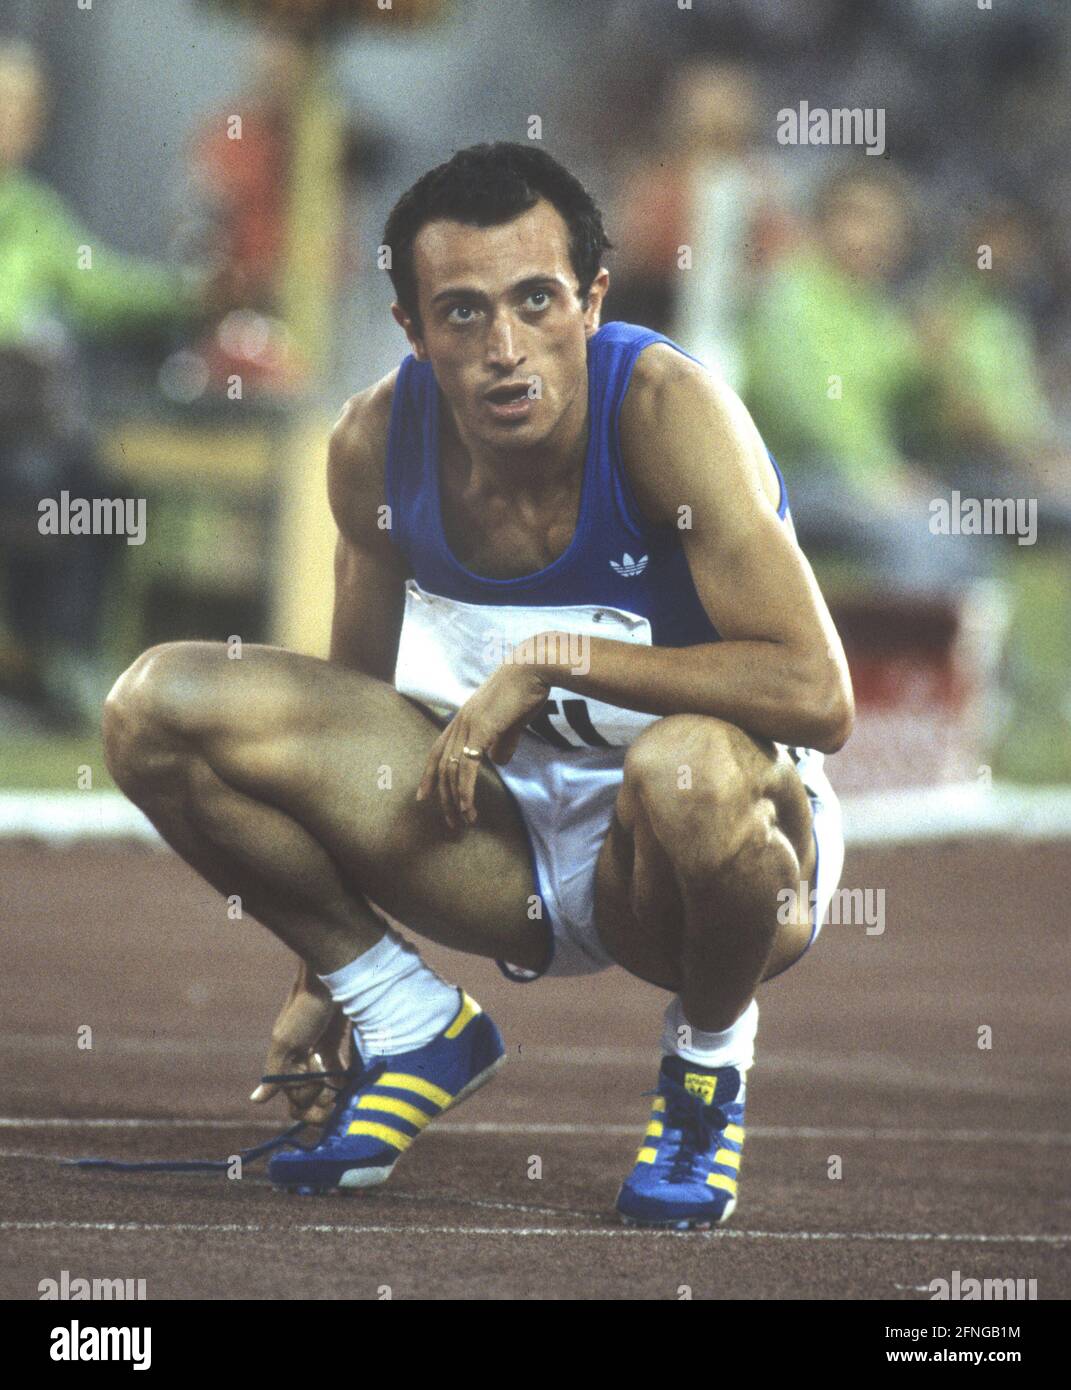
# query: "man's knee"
x,y
187,698
687,766
157,706
701,785
264,718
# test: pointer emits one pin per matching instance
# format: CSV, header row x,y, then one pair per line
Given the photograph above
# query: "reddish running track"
x,y
953,1156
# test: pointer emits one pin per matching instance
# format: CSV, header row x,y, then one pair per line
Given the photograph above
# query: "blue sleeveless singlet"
x,y
615,558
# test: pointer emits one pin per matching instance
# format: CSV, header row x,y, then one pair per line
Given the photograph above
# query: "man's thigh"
x,y
639,914
342,754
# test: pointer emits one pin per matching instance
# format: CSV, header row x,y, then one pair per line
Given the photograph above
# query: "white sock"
x,y
735,1047
395,1002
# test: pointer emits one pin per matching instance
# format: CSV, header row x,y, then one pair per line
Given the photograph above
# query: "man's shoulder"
x,y
359,435
357,453
664,383
679,424
662,365
666,391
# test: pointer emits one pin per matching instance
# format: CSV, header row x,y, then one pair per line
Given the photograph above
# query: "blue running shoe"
x,y
688,1167
382,1109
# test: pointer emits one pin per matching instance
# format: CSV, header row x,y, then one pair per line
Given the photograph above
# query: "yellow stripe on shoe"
x,y
728,1158
654,1130
735,1133
402,1081
646,1155
720,1180
468,1011
390,1106
390,1136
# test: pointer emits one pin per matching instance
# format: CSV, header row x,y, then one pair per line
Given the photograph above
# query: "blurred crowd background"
x,y
898,323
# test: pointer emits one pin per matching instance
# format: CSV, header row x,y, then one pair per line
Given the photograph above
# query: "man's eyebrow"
x,y
457,292
530,282
533,282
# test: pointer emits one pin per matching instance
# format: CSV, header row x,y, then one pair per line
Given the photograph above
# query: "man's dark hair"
x,y
484,186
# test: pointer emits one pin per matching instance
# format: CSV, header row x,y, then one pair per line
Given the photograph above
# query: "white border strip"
x,y
961,809
1004,1137
910,816
62,818
568,1232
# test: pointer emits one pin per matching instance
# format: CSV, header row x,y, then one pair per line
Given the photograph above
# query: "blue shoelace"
x,y
695,1121
287,1138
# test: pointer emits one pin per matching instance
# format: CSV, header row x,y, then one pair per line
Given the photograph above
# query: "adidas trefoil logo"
x,y
629,568
696,1084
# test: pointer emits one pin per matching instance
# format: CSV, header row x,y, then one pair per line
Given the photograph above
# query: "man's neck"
x,y
534,471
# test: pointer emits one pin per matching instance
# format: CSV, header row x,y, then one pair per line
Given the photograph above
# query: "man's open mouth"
x,y
509,394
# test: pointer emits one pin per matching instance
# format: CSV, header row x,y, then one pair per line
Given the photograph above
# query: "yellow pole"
x,y
303,583
314,213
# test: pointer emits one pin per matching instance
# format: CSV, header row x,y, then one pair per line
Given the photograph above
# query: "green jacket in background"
x,y
830,364
40,274
990,355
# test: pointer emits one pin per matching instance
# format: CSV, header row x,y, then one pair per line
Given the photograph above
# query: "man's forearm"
x,y
763,687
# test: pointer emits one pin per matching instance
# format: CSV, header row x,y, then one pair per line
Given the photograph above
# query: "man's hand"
x,y
307,1036
491,721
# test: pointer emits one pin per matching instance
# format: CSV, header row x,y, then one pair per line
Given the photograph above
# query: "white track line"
x,y
790,1132
862,1068
65,818
917,815
416,1198
560,1232
903,816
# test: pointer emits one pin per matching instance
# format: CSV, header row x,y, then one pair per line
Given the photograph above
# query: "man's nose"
x,y
503,349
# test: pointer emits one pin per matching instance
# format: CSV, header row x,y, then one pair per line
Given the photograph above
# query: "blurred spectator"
x,y
56,276
835,373
236,212
707,188
234,215
832,358
736,220
994,430
239,173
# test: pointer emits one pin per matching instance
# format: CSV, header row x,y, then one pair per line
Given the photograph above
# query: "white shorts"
x,y
449,648
567,805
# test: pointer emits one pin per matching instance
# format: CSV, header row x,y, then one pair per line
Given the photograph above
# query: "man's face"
x,y
503,327
866,230
716,110
22,110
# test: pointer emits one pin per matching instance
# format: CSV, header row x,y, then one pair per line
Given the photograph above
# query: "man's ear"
x,y
409,328
596,295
